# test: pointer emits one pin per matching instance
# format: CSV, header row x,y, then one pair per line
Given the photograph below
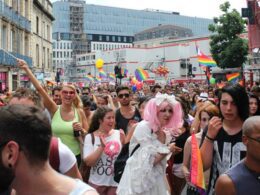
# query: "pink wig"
x,y
152,108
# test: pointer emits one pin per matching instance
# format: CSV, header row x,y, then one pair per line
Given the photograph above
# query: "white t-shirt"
x,y
102,173
67,158
81,188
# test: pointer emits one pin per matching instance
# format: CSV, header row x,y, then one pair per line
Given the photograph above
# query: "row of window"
x,y
61,45
46,57
45,29
60,54
97,46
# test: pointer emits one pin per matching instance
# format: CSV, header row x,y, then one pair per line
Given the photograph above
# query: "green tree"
x,y
227,48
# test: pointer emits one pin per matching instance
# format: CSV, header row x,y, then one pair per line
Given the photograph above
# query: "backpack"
x,y
120,162
84,169
54,157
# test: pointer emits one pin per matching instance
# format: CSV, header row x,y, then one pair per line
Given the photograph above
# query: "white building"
x,y
163,52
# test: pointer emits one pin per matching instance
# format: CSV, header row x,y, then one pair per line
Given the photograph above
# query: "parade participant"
x,y
68,119
66,163
25,136
101,147
56,96
254,105
244,178
205,114
224,135
87,103
144,172
126,114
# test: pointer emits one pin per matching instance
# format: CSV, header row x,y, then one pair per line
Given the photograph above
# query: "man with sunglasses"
x,y
127,114
25,137
244,178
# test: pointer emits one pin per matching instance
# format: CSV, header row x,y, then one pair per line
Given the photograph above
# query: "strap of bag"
x,y
92,138
54,158
136,147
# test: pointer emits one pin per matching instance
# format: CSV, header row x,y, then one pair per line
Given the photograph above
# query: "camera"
x,y
76,133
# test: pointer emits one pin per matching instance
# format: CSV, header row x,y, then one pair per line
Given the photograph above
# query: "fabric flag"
x,y
98,79
111,76
204,61
90,78
102,74
233,77
124,72
196,174
141,74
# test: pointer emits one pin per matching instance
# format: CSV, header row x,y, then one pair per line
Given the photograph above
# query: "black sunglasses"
x,y
124,95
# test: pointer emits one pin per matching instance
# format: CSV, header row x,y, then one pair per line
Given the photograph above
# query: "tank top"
x,y
81,188
63,130
244,180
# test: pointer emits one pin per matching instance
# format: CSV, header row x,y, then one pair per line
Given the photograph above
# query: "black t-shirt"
x,y
180,142
122,122
228,151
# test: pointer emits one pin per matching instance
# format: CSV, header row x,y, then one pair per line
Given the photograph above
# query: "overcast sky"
x,y
198,8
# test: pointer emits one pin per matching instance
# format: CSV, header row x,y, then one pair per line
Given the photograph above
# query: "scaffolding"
x,y
78,37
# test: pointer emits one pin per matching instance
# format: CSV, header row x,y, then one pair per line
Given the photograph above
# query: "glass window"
x,y
119,39
107,38
100,37
113,38
124,39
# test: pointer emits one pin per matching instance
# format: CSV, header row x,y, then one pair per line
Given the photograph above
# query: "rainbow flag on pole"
x,y
141,74
97,79
102,74
89,78
204,61
111,76
196,174
124,72
233,77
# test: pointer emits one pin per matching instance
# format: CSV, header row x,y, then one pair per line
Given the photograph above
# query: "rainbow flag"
x,y
233,77
141,74
124,72
97,79
204,61
111,76
102,74
196,174
89,77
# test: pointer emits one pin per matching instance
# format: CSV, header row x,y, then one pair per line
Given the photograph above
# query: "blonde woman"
x,y
68,119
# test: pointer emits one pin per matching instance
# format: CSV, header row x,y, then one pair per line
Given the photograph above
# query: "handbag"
x,y
120,162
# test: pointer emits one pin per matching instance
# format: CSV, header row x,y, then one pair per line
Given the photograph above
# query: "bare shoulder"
x,y
225,186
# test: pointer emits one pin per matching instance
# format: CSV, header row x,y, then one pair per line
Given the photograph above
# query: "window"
x,y
37,25
107,38
119,39
43,57
124,39
100,37
113,38
26,46
37,55
48,33
4,37
53,54
12,40
43,30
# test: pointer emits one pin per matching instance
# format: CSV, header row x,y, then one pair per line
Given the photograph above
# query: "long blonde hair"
x,y
77,101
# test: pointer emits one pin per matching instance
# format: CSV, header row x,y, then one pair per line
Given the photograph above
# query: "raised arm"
x,y
48,102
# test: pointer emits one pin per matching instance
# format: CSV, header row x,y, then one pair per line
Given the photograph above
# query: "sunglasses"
x,y
124,95
68,92
85,93
257,140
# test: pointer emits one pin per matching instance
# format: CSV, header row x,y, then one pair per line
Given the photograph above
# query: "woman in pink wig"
x,y
144,172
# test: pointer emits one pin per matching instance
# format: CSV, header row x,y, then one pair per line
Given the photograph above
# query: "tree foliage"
x,y
227,48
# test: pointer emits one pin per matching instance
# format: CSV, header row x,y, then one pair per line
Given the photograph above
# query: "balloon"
x,y
134,88
99,63
212,81
139,85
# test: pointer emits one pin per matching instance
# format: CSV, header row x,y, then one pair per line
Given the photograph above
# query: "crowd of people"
x,y
67,140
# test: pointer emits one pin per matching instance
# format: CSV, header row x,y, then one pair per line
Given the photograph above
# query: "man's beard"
x,y
6,177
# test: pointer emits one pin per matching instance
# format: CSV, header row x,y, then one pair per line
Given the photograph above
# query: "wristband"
x,y
209,138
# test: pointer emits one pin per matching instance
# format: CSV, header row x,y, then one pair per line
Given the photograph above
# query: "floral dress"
x,y
140,175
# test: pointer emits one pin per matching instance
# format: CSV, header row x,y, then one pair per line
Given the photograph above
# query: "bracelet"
x,y
209,138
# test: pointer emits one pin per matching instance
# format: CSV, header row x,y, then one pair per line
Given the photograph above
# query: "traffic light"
x,y
118,72
189,69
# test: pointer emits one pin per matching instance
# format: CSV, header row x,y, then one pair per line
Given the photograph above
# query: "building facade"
x,y
41,46
15,39
108,28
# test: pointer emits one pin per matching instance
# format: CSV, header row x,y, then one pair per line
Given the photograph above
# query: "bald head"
x,y
252,124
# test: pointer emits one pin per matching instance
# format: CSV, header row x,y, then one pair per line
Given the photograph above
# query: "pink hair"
x,y
151,110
